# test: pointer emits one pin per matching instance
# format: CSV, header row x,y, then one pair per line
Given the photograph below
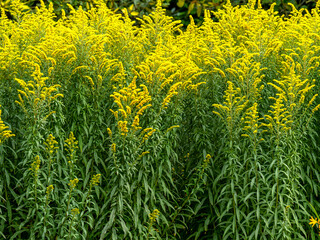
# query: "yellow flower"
x,y
172,91
113,147
95,180
146,136
49,189
75,211
71,145
154,215
172,127
4,132
51,144
206,162
73,183
232,108
314,221
35,166
144,153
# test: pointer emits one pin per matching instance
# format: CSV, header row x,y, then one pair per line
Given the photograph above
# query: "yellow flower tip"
x,y
172,127
142,154
109,132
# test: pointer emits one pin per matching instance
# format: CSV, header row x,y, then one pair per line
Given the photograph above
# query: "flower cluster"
x,y
49,189
132,102
232,108
73,183
252,122
148,134
154,215
51,144
37,94
71,145
5,133
95,180
35,166
75,211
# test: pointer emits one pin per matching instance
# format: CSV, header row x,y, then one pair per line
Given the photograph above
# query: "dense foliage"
x,y
113,131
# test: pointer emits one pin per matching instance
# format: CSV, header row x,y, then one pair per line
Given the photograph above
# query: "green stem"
x,y
70,228
86,203
49,171
46,212
35,191
67,208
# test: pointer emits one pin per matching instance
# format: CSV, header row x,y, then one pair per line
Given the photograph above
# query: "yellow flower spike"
x,y
124,113
49,189
206,162
95,180
149,134
114,113
154,215
143,154
90,81
140,112
71,145
316,108
75,211
109,132
128,110
36,96
50,144
171,93
252,121
35,166
122,126
131,102
232,108
5,133
172,127
135,123
113,147
73,183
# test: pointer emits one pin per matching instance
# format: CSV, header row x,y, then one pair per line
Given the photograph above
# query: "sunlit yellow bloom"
x,y
51,144
314,221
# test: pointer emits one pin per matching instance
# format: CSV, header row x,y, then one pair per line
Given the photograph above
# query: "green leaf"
x,y
199,9
109,224
191,7
180,3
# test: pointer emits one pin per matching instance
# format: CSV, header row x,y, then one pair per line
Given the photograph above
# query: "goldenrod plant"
x,y
115,127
